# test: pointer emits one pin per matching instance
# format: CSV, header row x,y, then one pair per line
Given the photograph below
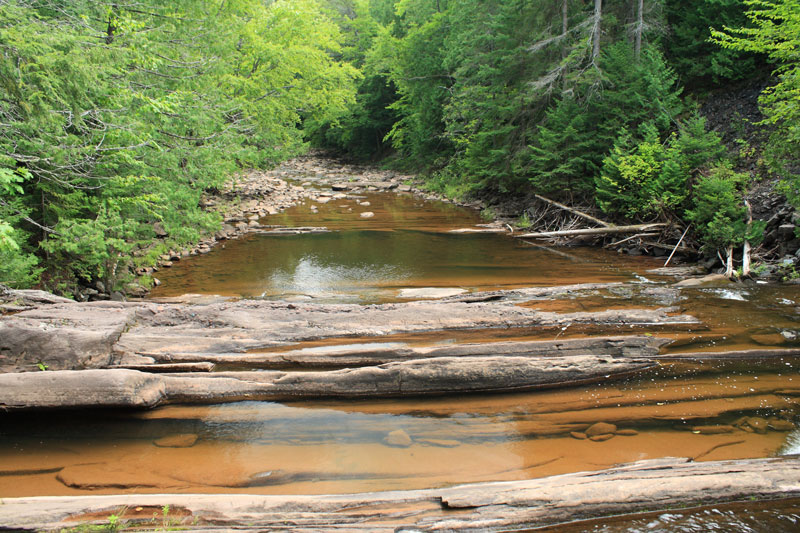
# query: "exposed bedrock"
x,y
365,354
643,486
100,334
130,388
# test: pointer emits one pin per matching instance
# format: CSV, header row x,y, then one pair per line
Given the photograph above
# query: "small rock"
x,y
697,282
601,438
367,214
364,204
156,282
601,428
768,339
627,432
758,424
182,440
785,231
159,230
398,438
117,296
578,435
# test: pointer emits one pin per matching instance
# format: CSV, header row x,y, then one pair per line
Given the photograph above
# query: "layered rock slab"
x,y
501,506
130,388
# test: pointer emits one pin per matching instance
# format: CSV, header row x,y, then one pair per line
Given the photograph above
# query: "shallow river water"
x,y
329,447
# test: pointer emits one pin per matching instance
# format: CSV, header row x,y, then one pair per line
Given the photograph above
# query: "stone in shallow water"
x,y
110,476
601,438
578,435
627,432
430,292
758,424
183,440
768,339
398,438
367,214
600,428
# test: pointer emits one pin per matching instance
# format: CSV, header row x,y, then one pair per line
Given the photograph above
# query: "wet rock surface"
x,y
105,335
630,488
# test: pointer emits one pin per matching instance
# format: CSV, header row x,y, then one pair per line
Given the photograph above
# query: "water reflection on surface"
x,y
405,245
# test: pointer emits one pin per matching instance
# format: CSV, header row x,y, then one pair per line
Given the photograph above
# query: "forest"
x,y
116,117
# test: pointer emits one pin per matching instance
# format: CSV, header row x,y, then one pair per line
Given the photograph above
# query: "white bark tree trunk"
x,y
729,263
746,247
638,30
598,15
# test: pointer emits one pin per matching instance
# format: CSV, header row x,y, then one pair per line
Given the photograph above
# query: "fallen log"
x,y
479,230
574,211
592,231
650,485
632,237
682,249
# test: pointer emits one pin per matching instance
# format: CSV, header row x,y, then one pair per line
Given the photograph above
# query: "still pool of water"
x,y
407,244
355,446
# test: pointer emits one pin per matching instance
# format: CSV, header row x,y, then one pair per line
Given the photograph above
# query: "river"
x,y
701,408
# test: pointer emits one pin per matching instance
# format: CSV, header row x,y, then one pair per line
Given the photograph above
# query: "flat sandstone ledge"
x,y
652,485
72,336
122,388
365,352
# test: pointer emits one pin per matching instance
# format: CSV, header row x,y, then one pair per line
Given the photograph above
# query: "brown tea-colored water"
x,y
407,244
330,447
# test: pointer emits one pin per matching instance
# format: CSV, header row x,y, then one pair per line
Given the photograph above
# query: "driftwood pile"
x,y
656,238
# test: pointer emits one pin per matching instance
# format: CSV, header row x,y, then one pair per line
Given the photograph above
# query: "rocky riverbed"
x,y
591,353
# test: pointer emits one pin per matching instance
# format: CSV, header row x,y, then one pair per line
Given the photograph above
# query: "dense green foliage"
x,y
579,100
118,115
774,30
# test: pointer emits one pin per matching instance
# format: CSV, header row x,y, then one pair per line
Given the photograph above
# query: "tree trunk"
x,y
729,263
638,30
598,15
746,247
564,28
614,230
